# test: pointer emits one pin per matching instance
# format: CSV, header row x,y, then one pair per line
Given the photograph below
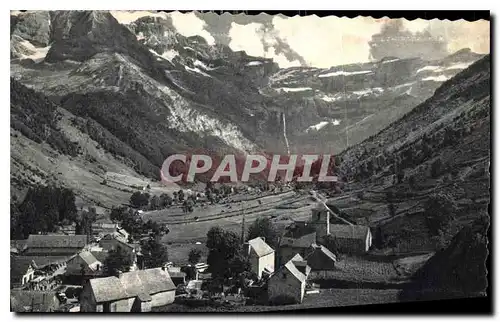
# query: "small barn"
x,y
351,239
136,291
113,242
297,239
321,258
260,255
287,285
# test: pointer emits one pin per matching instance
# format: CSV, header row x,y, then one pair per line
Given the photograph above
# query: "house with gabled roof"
x,y
136,291
349,238
297,239
112,242
321,258
83,263
287,285
54,245
260,256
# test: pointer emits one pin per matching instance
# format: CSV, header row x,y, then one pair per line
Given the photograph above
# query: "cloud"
x,y
188,24
396,40
429,39
328,41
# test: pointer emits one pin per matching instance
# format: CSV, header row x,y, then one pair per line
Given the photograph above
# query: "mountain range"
x,y
96,100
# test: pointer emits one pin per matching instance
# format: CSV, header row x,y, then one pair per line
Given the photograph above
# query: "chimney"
x,y
263,238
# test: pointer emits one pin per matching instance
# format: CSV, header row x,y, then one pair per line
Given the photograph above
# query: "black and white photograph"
x,y
219,162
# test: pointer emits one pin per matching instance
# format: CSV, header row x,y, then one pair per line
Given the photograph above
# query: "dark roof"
x,y
301,236
260,247
56,241
349,231
132,284
42,261
32,301
118,238
87,257
324,251
100,255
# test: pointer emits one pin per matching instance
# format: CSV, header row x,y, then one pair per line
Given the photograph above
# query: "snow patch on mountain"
x,y
170,54
369,91
293,89
401,86
201,64
439,69
329,98
344,73
197,70
254,63
322,124
390,61
440,78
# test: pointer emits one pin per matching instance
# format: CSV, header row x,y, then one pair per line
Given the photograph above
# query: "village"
x,y
66,272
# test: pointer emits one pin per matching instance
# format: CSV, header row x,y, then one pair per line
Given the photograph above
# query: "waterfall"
x,y
284,134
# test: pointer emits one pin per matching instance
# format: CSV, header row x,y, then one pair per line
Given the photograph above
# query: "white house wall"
x,y
163,298
266,261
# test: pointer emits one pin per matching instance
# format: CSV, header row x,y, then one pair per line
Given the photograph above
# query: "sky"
x,y
323,42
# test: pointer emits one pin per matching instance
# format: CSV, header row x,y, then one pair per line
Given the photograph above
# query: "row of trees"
x,y
134,224
152,202
42,210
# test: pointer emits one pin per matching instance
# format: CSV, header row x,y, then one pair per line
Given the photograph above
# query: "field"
x,y
193,227
325,298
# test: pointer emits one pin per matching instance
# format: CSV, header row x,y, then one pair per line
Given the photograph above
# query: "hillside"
x,y
47,147
440,148
460,270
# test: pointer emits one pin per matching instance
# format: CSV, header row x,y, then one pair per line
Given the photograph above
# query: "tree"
x,y
226,259
155,254
180,195
440,209
263,227
43,209
165,200
84,222
194,256
154,203
139,199
118,213
117,260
